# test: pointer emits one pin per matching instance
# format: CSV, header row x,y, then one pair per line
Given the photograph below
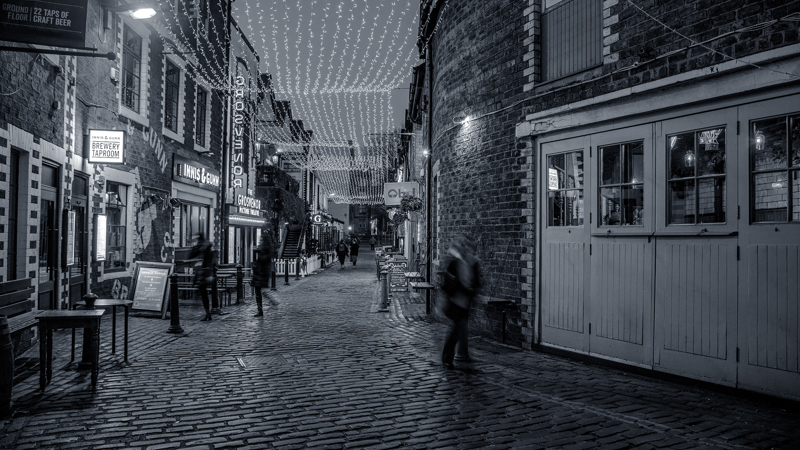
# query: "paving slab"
x,y
326,368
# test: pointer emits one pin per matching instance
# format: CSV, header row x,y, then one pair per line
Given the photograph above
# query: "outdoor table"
x,y
413,276
51,320
101,303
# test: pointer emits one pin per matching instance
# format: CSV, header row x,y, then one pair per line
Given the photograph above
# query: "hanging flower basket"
x,y
411,203
399,218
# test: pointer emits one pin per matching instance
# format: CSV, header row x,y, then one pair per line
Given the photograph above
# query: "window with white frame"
x,y
565,190
696,177
621,184
172,88
131,69
775,169
200,119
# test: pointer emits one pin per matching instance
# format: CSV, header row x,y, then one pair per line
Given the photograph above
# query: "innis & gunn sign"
x,y
106,146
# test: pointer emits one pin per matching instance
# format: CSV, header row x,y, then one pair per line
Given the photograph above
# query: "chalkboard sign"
x,y
398,274
150,286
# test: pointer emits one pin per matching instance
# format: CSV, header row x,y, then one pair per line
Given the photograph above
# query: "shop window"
x,y
131,69
116,225
200,117
622,184
172,86
194,220
696,180
565,190
775,169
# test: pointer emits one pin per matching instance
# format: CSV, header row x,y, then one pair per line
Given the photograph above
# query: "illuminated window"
x,y
696,180
565,190
131,69
116,226
621,176
775,169
172,86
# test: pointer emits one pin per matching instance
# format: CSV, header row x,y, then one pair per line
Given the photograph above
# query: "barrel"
x,y
6,367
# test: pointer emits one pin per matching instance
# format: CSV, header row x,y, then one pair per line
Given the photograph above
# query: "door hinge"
x,y
738,128
590,327
590,151
737,354
590,218
738,253
590,249
738,212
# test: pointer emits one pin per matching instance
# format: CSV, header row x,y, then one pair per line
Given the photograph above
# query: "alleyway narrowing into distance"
x,y
325,369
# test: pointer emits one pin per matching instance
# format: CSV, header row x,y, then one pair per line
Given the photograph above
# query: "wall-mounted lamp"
x,y
461,119
425,153
760,140
137,10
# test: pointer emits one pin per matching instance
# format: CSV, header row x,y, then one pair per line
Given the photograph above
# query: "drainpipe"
x,y
429,179
225,147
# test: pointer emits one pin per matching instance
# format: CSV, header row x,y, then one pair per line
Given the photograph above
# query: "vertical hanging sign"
x,y
70,238
237,156
100,237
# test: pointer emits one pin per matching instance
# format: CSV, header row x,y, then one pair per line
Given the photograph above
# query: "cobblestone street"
x,y
326,369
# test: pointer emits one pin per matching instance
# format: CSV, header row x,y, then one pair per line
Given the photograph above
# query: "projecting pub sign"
x,y
59,23
106,146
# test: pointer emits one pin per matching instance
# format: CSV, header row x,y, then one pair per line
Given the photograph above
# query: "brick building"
x,y
630,170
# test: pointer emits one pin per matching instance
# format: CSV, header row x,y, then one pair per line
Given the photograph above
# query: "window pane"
x,y
711,199
49,175
565,208
632,204
634,162
795,135
610,169
681,202
768,144
681,155
796,196
771,197
565,171
610,207
711,152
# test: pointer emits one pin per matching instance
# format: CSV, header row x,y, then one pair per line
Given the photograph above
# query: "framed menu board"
x,y
150,282
399,282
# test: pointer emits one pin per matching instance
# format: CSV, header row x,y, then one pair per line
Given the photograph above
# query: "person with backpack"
x,y
354,250
460,285
341,252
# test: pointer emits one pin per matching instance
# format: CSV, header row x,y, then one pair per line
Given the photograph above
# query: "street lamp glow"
x,y
143,13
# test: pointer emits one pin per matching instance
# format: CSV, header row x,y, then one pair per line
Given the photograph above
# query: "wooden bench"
x,y
422,285
17,305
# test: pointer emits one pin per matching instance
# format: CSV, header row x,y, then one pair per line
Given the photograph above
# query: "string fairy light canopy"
x,y
338,64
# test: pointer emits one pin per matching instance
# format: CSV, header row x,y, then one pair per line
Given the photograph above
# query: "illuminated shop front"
x,y
246,218
195,187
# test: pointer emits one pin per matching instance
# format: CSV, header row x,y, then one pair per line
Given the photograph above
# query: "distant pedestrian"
x,y
262,272
460,285
204,275
354,251
341,252
372,243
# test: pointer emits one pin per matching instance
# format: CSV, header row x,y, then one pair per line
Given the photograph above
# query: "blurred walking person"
x,y
372,243
354,251
460,284
341,252
262,272
204,271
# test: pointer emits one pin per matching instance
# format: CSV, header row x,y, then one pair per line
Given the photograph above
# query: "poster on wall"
x,y
59,24
100,231
150,281
70,238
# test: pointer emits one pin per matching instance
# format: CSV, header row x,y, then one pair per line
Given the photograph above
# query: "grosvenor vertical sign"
x,y
238,147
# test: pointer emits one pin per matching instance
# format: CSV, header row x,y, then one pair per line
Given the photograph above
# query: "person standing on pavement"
x,y
354,250
460,285
372,243
204,271
341,252
262,271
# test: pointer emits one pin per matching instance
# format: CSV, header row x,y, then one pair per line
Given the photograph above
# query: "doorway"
x,y
48,237
78,268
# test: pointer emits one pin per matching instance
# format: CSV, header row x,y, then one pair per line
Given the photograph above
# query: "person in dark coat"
x,y
354,251
461,284
341,252
262,272
204,271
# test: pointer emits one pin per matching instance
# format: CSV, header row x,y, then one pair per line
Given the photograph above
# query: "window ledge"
x,y
124,111
172,135
200,149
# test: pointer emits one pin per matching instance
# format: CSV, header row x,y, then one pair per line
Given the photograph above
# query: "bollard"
x,y
297,268
286,272
174,314
384,291
274,277
6,367
239,283
88,351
